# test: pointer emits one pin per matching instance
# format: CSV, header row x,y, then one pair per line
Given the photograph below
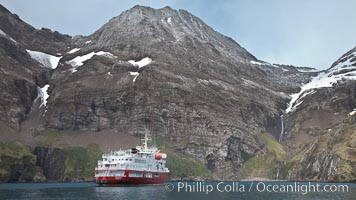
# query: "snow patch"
x,y
87,42
2,33
322,80
169,20
14,41
352,112
79,60
73,50
46,60
109,73
134,74
266,63
203,81
255,62
42,92
285,70
307,70
141,63
5,35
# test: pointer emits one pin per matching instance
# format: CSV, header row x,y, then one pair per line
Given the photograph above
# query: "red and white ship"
x,y
137,166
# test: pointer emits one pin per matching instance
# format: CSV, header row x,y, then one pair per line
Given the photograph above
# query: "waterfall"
x,y
277,174
282,130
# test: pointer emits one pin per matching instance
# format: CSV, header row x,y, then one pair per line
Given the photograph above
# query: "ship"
x,y
142,165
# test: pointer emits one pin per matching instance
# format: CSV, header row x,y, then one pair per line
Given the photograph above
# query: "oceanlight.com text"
x,y
260,187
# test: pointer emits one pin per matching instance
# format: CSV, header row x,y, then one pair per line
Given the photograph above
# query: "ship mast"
x,y
145,140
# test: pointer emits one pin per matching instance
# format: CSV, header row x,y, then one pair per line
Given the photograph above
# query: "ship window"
x,y
126,159
148,175
140,161
135,174
119,173
156,175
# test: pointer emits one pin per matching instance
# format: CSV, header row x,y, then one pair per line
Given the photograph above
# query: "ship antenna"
x,y
154,136
145,140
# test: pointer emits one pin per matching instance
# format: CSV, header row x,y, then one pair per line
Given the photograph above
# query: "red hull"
x,y
159,178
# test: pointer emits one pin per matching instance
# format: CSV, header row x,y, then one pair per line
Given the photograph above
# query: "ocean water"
x,y
179,191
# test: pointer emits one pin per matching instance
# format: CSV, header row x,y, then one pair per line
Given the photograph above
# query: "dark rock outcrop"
x,y
18,164
52,161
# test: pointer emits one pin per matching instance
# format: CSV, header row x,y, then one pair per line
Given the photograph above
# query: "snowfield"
x,y
46,60
141,63
342,71
79,60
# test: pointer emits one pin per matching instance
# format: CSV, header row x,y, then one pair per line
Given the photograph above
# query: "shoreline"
x,y
199,179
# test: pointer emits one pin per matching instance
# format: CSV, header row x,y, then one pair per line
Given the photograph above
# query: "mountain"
x,y
20,75
209,102
194,90
321,125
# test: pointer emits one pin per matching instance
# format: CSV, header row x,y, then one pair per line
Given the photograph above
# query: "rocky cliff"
x,y
160,69
198,88
20,74
321,131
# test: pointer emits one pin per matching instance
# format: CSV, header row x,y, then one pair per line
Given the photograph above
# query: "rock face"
x,y
52,161
321,130
165,70
201,90
21,75
28,37
18,164
330,157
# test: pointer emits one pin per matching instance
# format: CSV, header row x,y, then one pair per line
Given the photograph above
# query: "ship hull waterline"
x,y
162,178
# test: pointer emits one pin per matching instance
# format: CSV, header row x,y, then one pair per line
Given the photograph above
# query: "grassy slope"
x,y
340,142
15,154
81,162
264,165
181,165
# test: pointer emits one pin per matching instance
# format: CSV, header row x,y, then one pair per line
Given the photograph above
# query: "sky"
x,y
311,33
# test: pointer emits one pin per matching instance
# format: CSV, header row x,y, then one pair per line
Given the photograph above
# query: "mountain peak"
x,y
147,8
144,26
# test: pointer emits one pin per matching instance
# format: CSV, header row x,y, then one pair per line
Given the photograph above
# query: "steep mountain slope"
x,y
20,74
43,40
195,86
321,124
202,94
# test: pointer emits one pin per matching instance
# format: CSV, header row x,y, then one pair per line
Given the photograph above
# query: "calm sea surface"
x,y
179,191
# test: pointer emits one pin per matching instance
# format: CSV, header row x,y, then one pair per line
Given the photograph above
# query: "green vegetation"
x,y
81,162
257,166
181,165
14,149
273,147
15,155
264,165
